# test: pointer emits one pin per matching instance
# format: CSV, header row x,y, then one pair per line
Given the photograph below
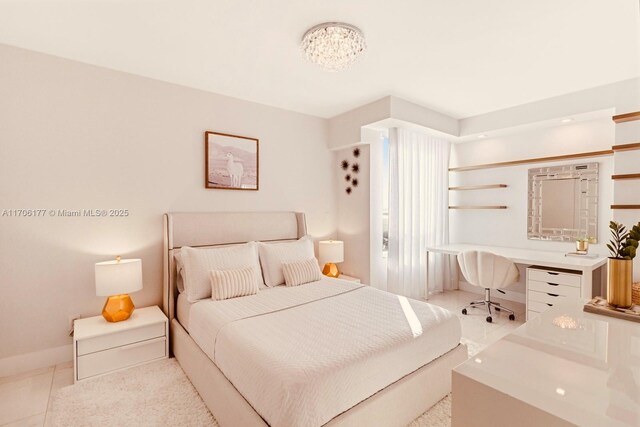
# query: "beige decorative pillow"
x,y
198,262
300,272
227,284
274,255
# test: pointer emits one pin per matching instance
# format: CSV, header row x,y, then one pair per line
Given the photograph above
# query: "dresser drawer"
x,y
120,338
554,277
554,288
546,298
120,357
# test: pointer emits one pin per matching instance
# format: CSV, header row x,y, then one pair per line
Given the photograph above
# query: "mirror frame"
x,y
587,174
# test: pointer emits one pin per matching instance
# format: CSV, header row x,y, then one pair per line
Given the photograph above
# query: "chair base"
x,y
487,301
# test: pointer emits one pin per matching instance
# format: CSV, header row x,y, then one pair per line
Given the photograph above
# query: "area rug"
x,y
155,394
160,394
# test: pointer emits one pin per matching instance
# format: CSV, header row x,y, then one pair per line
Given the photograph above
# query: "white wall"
x,y
75,136
627,192
509,227
353,213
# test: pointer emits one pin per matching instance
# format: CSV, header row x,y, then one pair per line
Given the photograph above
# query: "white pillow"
x,y
273,255
179,272
227,284
199,262
301,272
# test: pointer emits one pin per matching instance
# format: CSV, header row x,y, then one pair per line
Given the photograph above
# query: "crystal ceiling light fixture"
x,y
333,46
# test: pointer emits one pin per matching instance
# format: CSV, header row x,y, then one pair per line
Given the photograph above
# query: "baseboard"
x,y
38,359
508,295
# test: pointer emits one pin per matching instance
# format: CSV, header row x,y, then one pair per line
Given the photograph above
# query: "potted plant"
x,y
582,244
622,246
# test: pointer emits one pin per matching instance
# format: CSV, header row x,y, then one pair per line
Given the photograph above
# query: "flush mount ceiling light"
x,y
334,46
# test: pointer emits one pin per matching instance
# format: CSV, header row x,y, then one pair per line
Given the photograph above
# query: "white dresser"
x,y
547,287
100,347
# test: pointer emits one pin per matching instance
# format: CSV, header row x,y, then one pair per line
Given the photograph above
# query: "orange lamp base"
x,y
117,308
331,270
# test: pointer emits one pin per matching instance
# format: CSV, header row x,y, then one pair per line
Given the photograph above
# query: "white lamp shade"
x,y
118,277
331,251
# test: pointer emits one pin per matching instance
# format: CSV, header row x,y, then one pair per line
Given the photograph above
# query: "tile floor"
x,y
26,398
474,324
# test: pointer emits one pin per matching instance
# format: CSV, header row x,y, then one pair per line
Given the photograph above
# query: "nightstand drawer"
x,y
120,338
120,357
554,277
554,288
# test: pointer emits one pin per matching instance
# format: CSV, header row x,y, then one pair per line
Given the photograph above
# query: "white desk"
x,y
543,375
535,257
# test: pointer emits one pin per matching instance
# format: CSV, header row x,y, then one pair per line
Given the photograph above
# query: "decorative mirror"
x,y
563,202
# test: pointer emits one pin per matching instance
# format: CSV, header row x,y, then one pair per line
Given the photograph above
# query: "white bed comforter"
x,y
303,355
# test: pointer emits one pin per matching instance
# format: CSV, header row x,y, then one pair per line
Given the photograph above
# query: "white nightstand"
x,y
348,278
100,347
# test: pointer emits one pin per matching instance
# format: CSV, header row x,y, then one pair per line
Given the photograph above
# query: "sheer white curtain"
x,y
418,214
377,257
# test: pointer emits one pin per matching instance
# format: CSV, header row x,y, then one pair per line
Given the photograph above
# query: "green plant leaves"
x,y
623,243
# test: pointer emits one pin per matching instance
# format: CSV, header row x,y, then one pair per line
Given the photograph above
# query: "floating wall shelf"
x,y
628,117
625,206
626,176
477,207
626,147
535,160
478,187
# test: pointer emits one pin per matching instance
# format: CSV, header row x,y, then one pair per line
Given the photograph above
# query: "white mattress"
x,y
183,310
303,355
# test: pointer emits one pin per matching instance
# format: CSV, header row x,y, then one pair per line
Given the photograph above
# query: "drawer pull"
x,y
553,295
553,284
552,273
550,305
141,343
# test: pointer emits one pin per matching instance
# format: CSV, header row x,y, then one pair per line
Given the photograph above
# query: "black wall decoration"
x,y
355,169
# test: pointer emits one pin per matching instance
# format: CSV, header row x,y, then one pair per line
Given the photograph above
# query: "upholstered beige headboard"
x,y
202,229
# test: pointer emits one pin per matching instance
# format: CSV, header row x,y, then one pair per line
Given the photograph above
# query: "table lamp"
x,y
331,252
114,279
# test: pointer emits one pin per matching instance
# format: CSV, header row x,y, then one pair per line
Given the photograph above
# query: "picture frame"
x,y
231,162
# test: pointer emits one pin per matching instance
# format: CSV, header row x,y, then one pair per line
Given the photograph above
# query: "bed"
x,y
330,352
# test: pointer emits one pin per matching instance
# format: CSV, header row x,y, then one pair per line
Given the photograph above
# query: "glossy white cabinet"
x,y
564,367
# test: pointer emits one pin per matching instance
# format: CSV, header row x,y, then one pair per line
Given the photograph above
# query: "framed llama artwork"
x,y
231,161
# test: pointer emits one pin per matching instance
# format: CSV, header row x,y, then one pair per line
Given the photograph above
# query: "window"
x,y
385,196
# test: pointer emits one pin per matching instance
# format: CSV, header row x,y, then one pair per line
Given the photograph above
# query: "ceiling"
x,y
460,57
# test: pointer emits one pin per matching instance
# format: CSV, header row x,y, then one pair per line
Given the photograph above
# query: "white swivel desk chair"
x,y
488,271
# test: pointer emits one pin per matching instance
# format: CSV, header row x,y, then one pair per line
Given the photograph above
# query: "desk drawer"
x,y
546,298
120,357
554,277
554,288
538,306
531,314
116,339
